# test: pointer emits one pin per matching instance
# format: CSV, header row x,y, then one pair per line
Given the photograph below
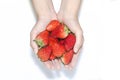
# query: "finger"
x,y
57,64
34,47
72,64
48,64
68,67
74,59
78,43
53,66
33,35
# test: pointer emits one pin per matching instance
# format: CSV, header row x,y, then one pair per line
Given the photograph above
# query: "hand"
x,y
45,13
40,26
73,24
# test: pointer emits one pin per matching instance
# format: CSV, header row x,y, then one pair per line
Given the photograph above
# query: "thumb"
x,y
32,43
34,47
79,42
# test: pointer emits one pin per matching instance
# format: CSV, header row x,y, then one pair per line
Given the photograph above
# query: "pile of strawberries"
x,y
56,42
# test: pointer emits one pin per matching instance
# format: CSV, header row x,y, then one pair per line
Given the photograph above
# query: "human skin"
x,y
45,13
67,14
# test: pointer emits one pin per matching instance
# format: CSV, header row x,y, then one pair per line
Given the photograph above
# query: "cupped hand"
x,y
39,27
74,26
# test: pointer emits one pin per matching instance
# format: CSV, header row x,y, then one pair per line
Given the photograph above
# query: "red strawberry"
x,y
67,57
52,41
44,53
42,38
52,25
70,41
62,42
52,57
57,49
60,31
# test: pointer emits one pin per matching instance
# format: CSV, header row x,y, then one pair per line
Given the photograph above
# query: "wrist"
x,y
66,16
47,15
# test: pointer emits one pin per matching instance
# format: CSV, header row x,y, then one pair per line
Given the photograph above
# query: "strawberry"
x,y
62,42
52,25
70,41
67,57
52,41
44,53
57,49
42,38
60,31
52,57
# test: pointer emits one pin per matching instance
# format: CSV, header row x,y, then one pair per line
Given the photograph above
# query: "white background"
x,y
100,57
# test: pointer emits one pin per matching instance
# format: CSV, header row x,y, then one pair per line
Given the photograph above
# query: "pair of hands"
x,y
73,25
68,15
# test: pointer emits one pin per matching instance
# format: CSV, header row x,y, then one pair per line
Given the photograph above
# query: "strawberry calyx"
x,y
39,43
67,31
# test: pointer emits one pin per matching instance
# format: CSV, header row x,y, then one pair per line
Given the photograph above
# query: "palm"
x,y
75,27
39,27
